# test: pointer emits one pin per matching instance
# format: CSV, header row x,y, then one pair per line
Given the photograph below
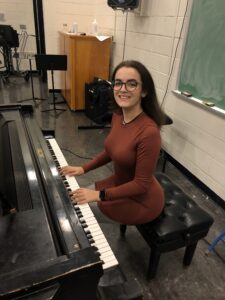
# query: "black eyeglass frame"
x,y
127,87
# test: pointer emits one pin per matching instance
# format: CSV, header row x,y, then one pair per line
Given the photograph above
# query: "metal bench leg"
x,y
123,229
153,263
164,158
189,253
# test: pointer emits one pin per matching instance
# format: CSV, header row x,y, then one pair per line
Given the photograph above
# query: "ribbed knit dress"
x,y
133,195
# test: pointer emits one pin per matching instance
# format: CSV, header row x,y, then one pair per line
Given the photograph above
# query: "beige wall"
x,y
196,139
66,12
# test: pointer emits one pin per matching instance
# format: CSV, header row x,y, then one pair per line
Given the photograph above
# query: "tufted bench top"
x,y
181,220
182,223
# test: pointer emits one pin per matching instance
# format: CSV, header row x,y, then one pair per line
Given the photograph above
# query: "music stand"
x,y
51,62
31,80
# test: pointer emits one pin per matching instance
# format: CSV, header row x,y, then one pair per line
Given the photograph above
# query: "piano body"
x,y
45,253
50,248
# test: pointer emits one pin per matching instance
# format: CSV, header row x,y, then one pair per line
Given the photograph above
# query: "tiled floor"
x,y
204,278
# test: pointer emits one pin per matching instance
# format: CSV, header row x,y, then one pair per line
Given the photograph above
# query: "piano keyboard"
x,y
92,229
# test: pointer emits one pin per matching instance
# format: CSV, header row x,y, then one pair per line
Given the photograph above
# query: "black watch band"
x,y
102,195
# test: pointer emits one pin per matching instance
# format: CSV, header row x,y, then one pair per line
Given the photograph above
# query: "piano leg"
x,y
114,285
81,287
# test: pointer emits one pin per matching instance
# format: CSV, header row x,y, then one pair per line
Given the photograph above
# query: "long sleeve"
x,y
100,160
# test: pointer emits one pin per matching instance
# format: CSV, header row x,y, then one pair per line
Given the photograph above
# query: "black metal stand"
x,y
32,87
53,98
52,62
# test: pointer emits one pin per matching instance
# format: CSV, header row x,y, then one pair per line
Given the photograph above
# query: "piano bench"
x,y
181,224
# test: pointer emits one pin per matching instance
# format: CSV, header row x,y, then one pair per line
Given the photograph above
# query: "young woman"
x,y
132,195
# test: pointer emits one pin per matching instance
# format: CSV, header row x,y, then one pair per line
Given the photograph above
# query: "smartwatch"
x,y
102,195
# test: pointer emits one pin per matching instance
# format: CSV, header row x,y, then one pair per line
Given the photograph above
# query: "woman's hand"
x,y
71,171
83,195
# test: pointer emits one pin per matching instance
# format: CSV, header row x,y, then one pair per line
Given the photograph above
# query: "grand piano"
x,y
50,248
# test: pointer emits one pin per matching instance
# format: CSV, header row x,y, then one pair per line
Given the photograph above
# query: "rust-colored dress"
x,y
133,195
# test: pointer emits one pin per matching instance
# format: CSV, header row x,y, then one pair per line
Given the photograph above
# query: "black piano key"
x,y
91,241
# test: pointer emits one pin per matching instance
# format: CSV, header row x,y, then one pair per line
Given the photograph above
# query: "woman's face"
x,y
128,95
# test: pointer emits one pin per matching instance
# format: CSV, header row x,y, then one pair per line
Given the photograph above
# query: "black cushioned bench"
x,y
182,224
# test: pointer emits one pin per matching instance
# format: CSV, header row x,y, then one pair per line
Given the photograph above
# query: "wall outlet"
x,y
23,26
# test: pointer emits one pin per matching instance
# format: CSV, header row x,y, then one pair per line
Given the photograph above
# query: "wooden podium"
x,y
87,58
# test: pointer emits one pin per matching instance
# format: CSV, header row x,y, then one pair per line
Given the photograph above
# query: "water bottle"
x,y
75,28
65,29
94,27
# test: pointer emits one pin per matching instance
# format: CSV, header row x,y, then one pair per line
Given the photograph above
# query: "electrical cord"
x,y
83,157
125,35
75,154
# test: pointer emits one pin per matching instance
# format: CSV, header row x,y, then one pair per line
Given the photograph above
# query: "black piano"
x,y
46,250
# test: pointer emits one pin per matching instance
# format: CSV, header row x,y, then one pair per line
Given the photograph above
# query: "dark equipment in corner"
x,y
98,104
9,35
51,62
8,39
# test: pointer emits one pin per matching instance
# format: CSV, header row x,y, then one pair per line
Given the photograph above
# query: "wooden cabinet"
x,y
87,57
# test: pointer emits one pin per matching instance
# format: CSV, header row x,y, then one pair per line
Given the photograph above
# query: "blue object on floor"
x,y
219,238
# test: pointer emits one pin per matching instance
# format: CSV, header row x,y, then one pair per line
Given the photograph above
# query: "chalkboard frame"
x,y
207,101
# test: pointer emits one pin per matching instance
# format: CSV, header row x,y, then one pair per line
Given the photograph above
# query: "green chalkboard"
x,y
203,64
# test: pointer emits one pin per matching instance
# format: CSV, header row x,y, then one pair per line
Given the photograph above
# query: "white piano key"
x,y
99,240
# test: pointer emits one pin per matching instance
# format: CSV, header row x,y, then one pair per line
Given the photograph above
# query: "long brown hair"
x,y
149,103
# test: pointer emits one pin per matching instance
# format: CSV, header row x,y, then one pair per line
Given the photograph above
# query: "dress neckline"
x,y
135,118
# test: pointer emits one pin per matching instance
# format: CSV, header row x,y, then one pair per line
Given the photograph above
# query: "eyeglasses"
x,y
130,85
